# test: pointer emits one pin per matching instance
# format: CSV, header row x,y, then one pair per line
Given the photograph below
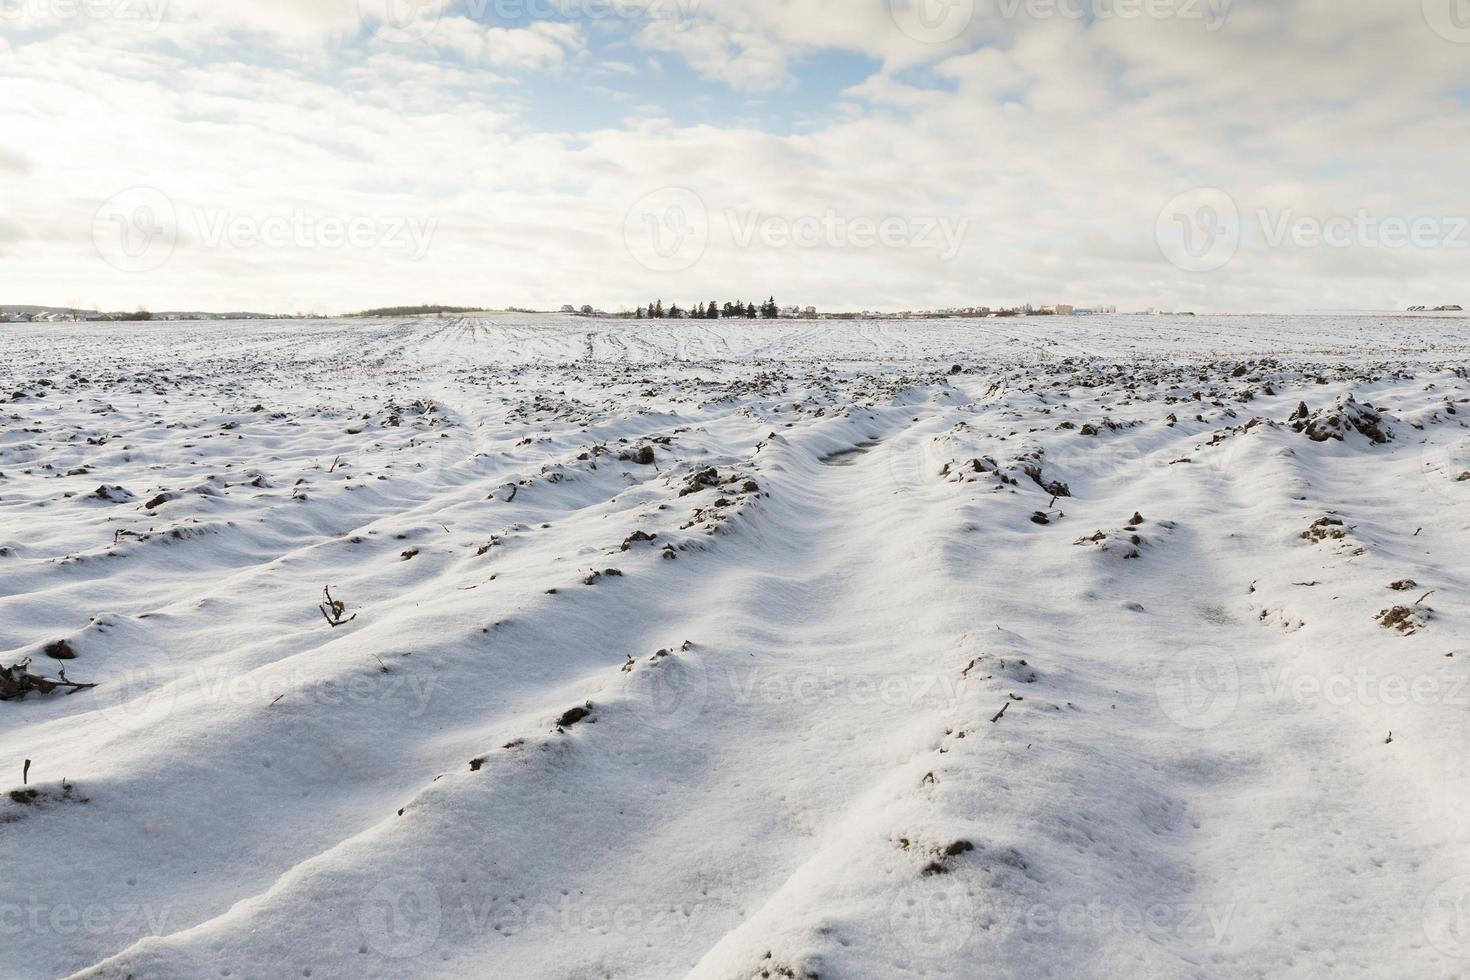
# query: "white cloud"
x,y
1058,145
543,45
615,68
743,59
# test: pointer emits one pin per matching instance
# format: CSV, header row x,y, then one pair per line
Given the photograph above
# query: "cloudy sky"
x,y
332,155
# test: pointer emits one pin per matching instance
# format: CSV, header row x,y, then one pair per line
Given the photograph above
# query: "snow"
x,y
877,699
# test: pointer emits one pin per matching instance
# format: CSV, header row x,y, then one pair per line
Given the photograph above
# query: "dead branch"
x,y
16,682
333,610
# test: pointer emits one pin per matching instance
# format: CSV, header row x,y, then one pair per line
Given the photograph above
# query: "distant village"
x,y
770,310
655,311
44,315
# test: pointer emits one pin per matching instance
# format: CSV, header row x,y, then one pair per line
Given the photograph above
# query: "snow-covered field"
x,y
1017,648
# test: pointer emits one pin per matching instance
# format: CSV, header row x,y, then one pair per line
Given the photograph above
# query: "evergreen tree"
x,y
712,312
675,313
729,310
658,310
771,311
751,312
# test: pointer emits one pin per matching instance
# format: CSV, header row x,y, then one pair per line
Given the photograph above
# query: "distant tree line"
x,y
417,310
711,311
